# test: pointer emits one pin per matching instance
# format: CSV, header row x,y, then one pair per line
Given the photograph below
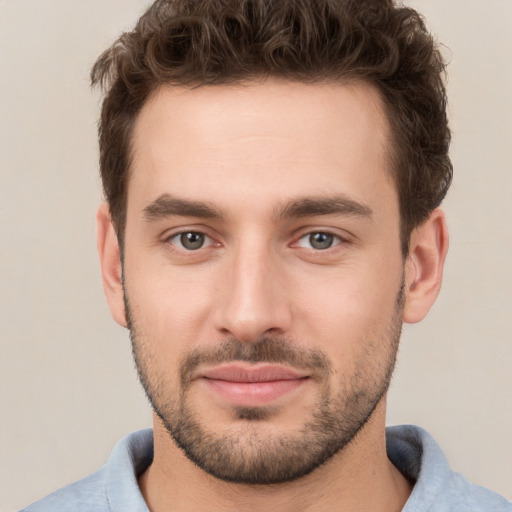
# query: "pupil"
x,y
321,240
192,240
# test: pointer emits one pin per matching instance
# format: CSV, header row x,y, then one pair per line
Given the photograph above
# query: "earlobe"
x,y
424,266
110,260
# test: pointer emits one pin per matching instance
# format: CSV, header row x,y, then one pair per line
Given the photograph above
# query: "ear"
x,y
424,266
110,260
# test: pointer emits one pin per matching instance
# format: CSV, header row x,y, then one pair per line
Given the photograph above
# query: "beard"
x,y
249,454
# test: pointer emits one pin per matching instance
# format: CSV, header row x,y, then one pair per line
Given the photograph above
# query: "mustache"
x,y
264,350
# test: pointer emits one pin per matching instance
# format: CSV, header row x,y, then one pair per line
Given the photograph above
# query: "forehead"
x,y
276,137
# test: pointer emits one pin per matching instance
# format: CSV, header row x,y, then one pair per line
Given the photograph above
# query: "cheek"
x,y
172,306
353,305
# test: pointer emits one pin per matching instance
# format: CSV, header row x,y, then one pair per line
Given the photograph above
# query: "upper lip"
x,y
239,372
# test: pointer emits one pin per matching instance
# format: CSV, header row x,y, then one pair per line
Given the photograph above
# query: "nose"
x,y
253,299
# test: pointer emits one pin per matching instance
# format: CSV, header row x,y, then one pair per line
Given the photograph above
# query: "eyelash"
x,y
179,235
334,239
176,240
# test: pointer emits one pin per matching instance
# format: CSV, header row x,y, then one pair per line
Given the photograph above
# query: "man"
x,y
273,171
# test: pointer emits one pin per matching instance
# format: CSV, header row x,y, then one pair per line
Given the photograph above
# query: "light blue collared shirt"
x,y
114,488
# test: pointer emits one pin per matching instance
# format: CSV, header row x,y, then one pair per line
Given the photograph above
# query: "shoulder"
x,y
110,489
87,494
436,487
476,498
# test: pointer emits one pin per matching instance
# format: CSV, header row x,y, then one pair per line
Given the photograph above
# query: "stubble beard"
x,y
245,455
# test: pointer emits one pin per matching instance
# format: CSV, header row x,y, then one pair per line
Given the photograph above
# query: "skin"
x,y
251,153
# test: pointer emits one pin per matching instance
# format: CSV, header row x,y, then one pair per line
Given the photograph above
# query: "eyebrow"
x,y
330,205
167,206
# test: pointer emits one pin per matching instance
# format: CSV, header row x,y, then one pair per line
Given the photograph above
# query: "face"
x,y
262,271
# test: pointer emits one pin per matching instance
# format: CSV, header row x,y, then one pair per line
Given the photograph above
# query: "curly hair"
x,y
202,42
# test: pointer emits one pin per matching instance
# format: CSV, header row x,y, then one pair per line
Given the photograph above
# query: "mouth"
x,y
252,385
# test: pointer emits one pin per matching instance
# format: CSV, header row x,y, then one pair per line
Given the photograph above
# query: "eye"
x,y
319,241
190,240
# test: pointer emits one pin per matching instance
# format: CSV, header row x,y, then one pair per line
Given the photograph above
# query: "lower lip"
x,y
253,394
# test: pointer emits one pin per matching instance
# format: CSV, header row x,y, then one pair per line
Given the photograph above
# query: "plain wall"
x,y
68,390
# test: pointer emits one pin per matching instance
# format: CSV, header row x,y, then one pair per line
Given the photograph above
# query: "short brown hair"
x,y
202,42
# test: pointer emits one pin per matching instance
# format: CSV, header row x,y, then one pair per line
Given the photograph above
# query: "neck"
x,y
358,478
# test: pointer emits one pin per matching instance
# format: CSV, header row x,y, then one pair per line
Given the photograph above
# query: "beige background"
x,y
68,390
